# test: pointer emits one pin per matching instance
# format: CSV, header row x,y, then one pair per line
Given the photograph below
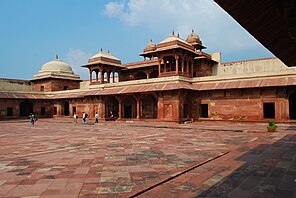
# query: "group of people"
x,y
85,119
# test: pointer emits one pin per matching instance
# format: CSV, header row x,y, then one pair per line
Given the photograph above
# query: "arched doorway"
x,y
66,108
26,108
129,107
149,107
292,104
111,104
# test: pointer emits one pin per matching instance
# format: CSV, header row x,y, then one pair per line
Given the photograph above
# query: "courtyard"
x,y
57,158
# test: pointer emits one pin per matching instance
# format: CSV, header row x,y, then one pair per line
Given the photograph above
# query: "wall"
x,y
55,84
244,104
15,85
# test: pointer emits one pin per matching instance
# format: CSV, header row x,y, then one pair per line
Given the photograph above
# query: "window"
x,y
42,110
9,111
269,110
204,111
42,88
65,87
55,111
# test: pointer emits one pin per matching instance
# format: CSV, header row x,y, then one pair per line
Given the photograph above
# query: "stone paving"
x,y
56,158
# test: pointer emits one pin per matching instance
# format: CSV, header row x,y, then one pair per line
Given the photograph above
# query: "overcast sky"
x,y
32,32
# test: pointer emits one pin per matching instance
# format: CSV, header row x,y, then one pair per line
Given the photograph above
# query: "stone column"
x,y
159,67
120,108
165,65
90,75
192,68
138,108
102,76
177,64
113,77
182,65
108,77
187,66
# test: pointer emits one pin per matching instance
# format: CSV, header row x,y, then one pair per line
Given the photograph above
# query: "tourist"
x,y
32,119
75,118
83,117
97,117
111,116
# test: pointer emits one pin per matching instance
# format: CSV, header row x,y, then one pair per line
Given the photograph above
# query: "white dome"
x,y
56,69
58,66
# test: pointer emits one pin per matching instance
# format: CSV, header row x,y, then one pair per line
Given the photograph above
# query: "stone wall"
x,y
246,104
15,85
55,85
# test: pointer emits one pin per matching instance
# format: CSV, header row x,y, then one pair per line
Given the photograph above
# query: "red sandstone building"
x,y
176,81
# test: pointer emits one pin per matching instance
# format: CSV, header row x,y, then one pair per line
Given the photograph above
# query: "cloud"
x,y
214,26
76,58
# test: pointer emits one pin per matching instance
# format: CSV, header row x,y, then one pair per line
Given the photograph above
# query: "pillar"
x,y
187,66
108,77
102,76
165,65
113,77
177,64
182,65
159,67
192,68
138,108
90,75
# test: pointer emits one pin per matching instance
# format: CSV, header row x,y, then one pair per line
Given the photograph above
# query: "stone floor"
x,y
56,158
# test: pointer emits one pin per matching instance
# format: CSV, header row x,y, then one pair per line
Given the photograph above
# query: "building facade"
x,y
176,81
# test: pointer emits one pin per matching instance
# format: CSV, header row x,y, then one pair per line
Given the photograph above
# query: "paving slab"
x,y
57,158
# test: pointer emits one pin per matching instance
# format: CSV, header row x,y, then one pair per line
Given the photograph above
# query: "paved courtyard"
x,y
57,158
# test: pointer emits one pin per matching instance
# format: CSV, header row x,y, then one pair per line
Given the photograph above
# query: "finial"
x,y
192,30
57,57
150,40
101,49
108,51
173,32
178,35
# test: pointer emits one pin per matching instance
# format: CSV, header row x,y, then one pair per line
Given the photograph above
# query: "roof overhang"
x,y
272,23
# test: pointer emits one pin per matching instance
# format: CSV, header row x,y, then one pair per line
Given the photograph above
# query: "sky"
x,y
33,32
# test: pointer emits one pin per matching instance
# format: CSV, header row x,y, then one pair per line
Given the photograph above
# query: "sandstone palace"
x,y
175,82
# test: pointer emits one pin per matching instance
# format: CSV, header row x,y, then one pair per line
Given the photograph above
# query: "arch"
x,y
93,75
292,106
26,108
130,107
116,76
140,75
111,104
149,107
66,108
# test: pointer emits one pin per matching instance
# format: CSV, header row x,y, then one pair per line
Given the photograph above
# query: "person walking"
x,y
97,117
75,118
32,119
83,117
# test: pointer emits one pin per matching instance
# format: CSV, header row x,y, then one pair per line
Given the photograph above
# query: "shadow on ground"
x,y
269,171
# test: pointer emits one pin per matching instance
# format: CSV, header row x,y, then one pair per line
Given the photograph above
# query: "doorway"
x,y
66,109
26,108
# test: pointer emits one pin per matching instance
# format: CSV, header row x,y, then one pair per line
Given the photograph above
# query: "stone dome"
x,y
150,46
56,65
56,69
193,37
